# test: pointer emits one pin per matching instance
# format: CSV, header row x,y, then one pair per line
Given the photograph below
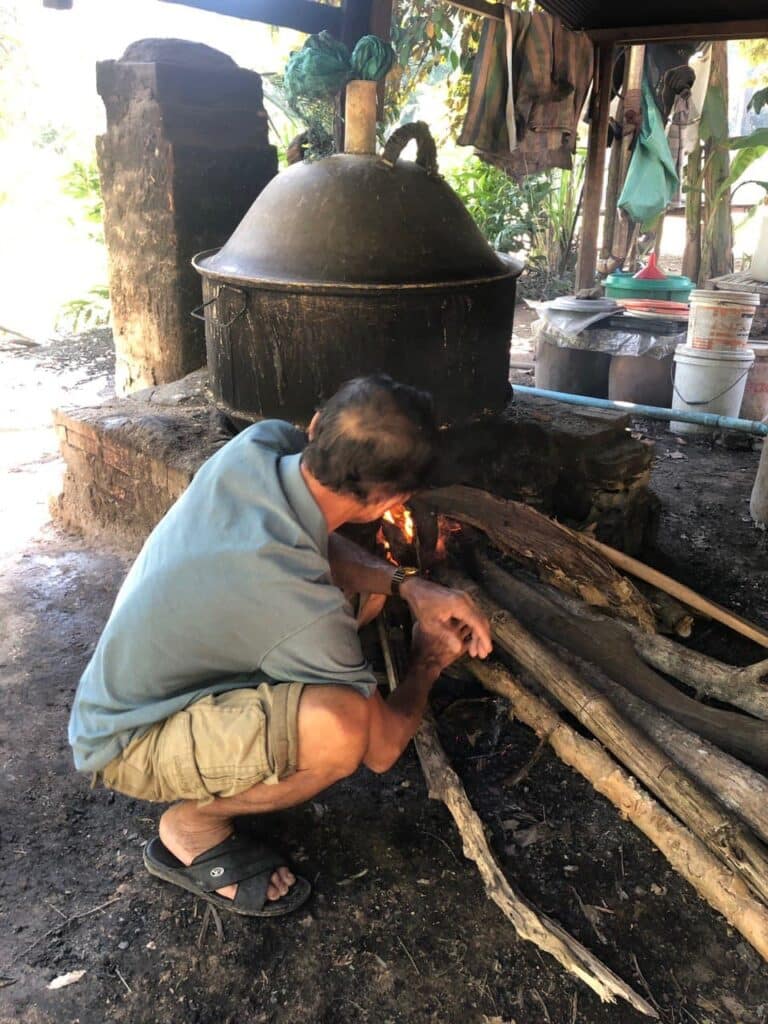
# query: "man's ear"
x,y
312,428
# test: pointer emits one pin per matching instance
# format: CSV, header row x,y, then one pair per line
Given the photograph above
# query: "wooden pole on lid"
x,y
360,118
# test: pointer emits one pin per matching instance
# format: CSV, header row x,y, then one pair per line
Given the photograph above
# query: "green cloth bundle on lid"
x,y
323,66
319,69
371,59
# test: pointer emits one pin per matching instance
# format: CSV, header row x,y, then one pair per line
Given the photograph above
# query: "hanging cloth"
x,y
529,83
651,181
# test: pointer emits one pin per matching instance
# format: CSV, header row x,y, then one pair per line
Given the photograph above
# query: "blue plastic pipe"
x,y
651,412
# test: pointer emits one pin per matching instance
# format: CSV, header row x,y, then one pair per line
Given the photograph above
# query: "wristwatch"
x,y
400,575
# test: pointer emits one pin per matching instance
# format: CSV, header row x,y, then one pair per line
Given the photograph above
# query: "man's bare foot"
x,y
187,836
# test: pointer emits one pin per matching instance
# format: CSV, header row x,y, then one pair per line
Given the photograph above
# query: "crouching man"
x,y
229,679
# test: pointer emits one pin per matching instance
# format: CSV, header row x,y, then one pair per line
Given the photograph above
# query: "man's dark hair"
x,y
374,437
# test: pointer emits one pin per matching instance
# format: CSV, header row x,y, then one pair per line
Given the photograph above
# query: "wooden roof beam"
x,y
703,30
301,15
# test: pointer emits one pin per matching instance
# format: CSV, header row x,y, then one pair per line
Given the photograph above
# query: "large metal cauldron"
x,y
351,265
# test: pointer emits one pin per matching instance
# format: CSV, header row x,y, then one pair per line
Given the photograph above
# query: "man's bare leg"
x,y
332,740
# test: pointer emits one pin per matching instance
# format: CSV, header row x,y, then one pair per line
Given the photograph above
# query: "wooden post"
x,y
381,26
355,23
631,124
593,185
717,243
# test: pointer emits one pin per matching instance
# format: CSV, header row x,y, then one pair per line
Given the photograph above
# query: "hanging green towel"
x,y
652,180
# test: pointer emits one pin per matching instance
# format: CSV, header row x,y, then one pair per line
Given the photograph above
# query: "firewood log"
x,y
558,555
722,833
744,687
721,888
740,788
608,645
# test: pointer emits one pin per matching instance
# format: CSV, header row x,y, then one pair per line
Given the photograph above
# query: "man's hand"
x,y
449,616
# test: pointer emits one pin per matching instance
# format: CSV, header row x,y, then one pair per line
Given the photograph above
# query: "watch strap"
x,y
399,576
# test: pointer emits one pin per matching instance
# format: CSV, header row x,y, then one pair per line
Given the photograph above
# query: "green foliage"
x,y
13,69
754,50
509,214
555,241
91,310
537,216
432,42
82,184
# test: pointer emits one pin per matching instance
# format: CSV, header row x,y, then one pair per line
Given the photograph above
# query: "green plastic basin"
x,y
621,285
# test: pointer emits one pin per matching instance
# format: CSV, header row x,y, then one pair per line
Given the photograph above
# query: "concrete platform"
x,y
130,458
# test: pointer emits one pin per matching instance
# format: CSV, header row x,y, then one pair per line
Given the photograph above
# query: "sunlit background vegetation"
x,y
53,261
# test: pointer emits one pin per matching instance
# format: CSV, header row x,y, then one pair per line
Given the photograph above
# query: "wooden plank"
x,y
301,15
756,28
593,184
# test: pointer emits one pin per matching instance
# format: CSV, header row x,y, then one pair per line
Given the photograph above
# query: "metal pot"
x,y
351,265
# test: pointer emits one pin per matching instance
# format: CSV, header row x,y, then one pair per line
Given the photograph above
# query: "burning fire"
x,y
400,517
445,527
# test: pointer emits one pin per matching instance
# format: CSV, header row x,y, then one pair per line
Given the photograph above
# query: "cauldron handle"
x,y
198,313
426,152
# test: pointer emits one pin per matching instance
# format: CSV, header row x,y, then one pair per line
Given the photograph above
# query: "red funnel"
x,y
651,271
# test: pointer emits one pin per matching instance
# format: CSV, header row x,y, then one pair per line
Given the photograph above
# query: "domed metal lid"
x,y
354,220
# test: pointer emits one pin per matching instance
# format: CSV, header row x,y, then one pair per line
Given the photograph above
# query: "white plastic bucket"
x,y
708,382
754,405
720,320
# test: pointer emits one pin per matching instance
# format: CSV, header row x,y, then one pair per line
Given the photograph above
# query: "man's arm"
x,y
439,610
392,724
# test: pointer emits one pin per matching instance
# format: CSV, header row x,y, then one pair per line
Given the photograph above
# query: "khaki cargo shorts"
x,y
219,746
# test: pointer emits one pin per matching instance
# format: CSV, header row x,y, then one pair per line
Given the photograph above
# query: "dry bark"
x,y
608,645
722,889
444,784
717,828
560,556
745,688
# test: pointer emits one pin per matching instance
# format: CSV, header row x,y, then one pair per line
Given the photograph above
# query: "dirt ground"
x,y
399,930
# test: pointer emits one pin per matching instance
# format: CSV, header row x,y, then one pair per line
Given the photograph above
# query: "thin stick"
x,y
128,988
408,954
680,591
722,889
443,784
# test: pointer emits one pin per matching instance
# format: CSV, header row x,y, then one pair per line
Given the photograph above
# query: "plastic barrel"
x,y
708,381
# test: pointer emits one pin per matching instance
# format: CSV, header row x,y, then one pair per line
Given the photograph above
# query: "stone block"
x,y
185,153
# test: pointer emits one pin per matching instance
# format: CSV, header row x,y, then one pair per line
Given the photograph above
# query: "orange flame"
x,y
402,518
445,527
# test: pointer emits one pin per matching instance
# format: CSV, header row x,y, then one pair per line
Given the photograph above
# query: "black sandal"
x,y
248,863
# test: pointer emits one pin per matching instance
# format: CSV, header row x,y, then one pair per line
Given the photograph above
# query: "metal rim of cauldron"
x,y
514,269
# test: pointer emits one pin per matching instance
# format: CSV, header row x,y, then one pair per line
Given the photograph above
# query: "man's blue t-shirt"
x,y
232,588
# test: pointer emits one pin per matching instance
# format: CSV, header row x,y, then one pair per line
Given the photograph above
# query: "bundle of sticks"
x,y
574,635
